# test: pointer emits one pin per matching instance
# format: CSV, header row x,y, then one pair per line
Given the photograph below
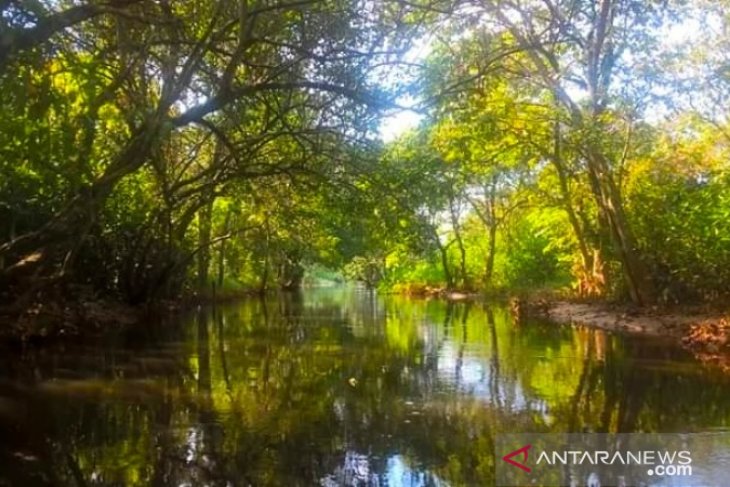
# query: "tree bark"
x,y
204,232
636,274
488,216
491,250
15,41
222,251
456,227
443,251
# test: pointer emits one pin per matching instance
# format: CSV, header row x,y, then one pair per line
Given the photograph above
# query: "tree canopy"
x,y
151,147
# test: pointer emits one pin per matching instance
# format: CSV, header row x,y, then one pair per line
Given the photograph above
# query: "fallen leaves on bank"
x,y
709,341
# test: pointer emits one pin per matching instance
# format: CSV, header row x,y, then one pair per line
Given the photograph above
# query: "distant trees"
x,y
544,110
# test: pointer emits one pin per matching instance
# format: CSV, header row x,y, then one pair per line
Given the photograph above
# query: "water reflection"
x,y
332,387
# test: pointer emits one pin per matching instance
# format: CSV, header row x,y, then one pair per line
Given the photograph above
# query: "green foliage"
x,y
533,260
540,172
686,232
413,276
148,150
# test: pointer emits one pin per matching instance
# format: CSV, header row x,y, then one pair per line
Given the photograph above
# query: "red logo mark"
x,y
522,451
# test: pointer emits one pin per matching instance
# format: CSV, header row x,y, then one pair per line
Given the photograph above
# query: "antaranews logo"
x,y
524,452
611,459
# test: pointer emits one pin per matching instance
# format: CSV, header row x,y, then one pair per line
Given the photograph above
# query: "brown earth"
x,y
705,332
53,320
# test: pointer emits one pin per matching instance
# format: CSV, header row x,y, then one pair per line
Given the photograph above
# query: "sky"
x,y
398,123
686,32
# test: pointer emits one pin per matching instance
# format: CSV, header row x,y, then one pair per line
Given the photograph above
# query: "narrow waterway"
x,y
332,387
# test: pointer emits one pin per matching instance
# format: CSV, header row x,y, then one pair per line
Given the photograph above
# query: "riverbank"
x,y
74,320
84,317
703,331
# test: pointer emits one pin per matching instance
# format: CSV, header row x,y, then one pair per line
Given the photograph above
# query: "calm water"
x,y
332,387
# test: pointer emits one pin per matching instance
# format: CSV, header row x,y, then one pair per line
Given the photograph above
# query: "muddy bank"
x,y
59,320
80,317
624,319
705,332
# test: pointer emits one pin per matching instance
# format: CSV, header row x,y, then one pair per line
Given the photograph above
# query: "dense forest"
x,y
151,149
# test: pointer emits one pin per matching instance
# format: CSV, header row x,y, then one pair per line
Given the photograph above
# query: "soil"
x,y
703,331
53,321
83,316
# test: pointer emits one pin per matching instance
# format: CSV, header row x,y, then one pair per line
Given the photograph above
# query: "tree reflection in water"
x,y
332,387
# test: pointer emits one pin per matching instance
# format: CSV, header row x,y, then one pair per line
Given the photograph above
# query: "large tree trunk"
x,y
560,168
443,251
491,253
488,216
43,258
492,226
591,280
204,232
638,279
456,227
291,271
222,251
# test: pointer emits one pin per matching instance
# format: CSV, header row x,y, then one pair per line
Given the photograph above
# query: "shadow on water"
x,y
333,387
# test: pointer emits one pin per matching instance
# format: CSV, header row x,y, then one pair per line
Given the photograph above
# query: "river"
x,y
332,387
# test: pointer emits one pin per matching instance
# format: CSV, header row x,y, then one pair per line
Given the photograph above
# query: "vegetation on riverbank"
x,y
151,151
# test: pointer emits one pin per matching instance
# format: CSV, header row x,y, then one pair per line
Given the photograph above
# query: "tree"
x,y
582,43
143,75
